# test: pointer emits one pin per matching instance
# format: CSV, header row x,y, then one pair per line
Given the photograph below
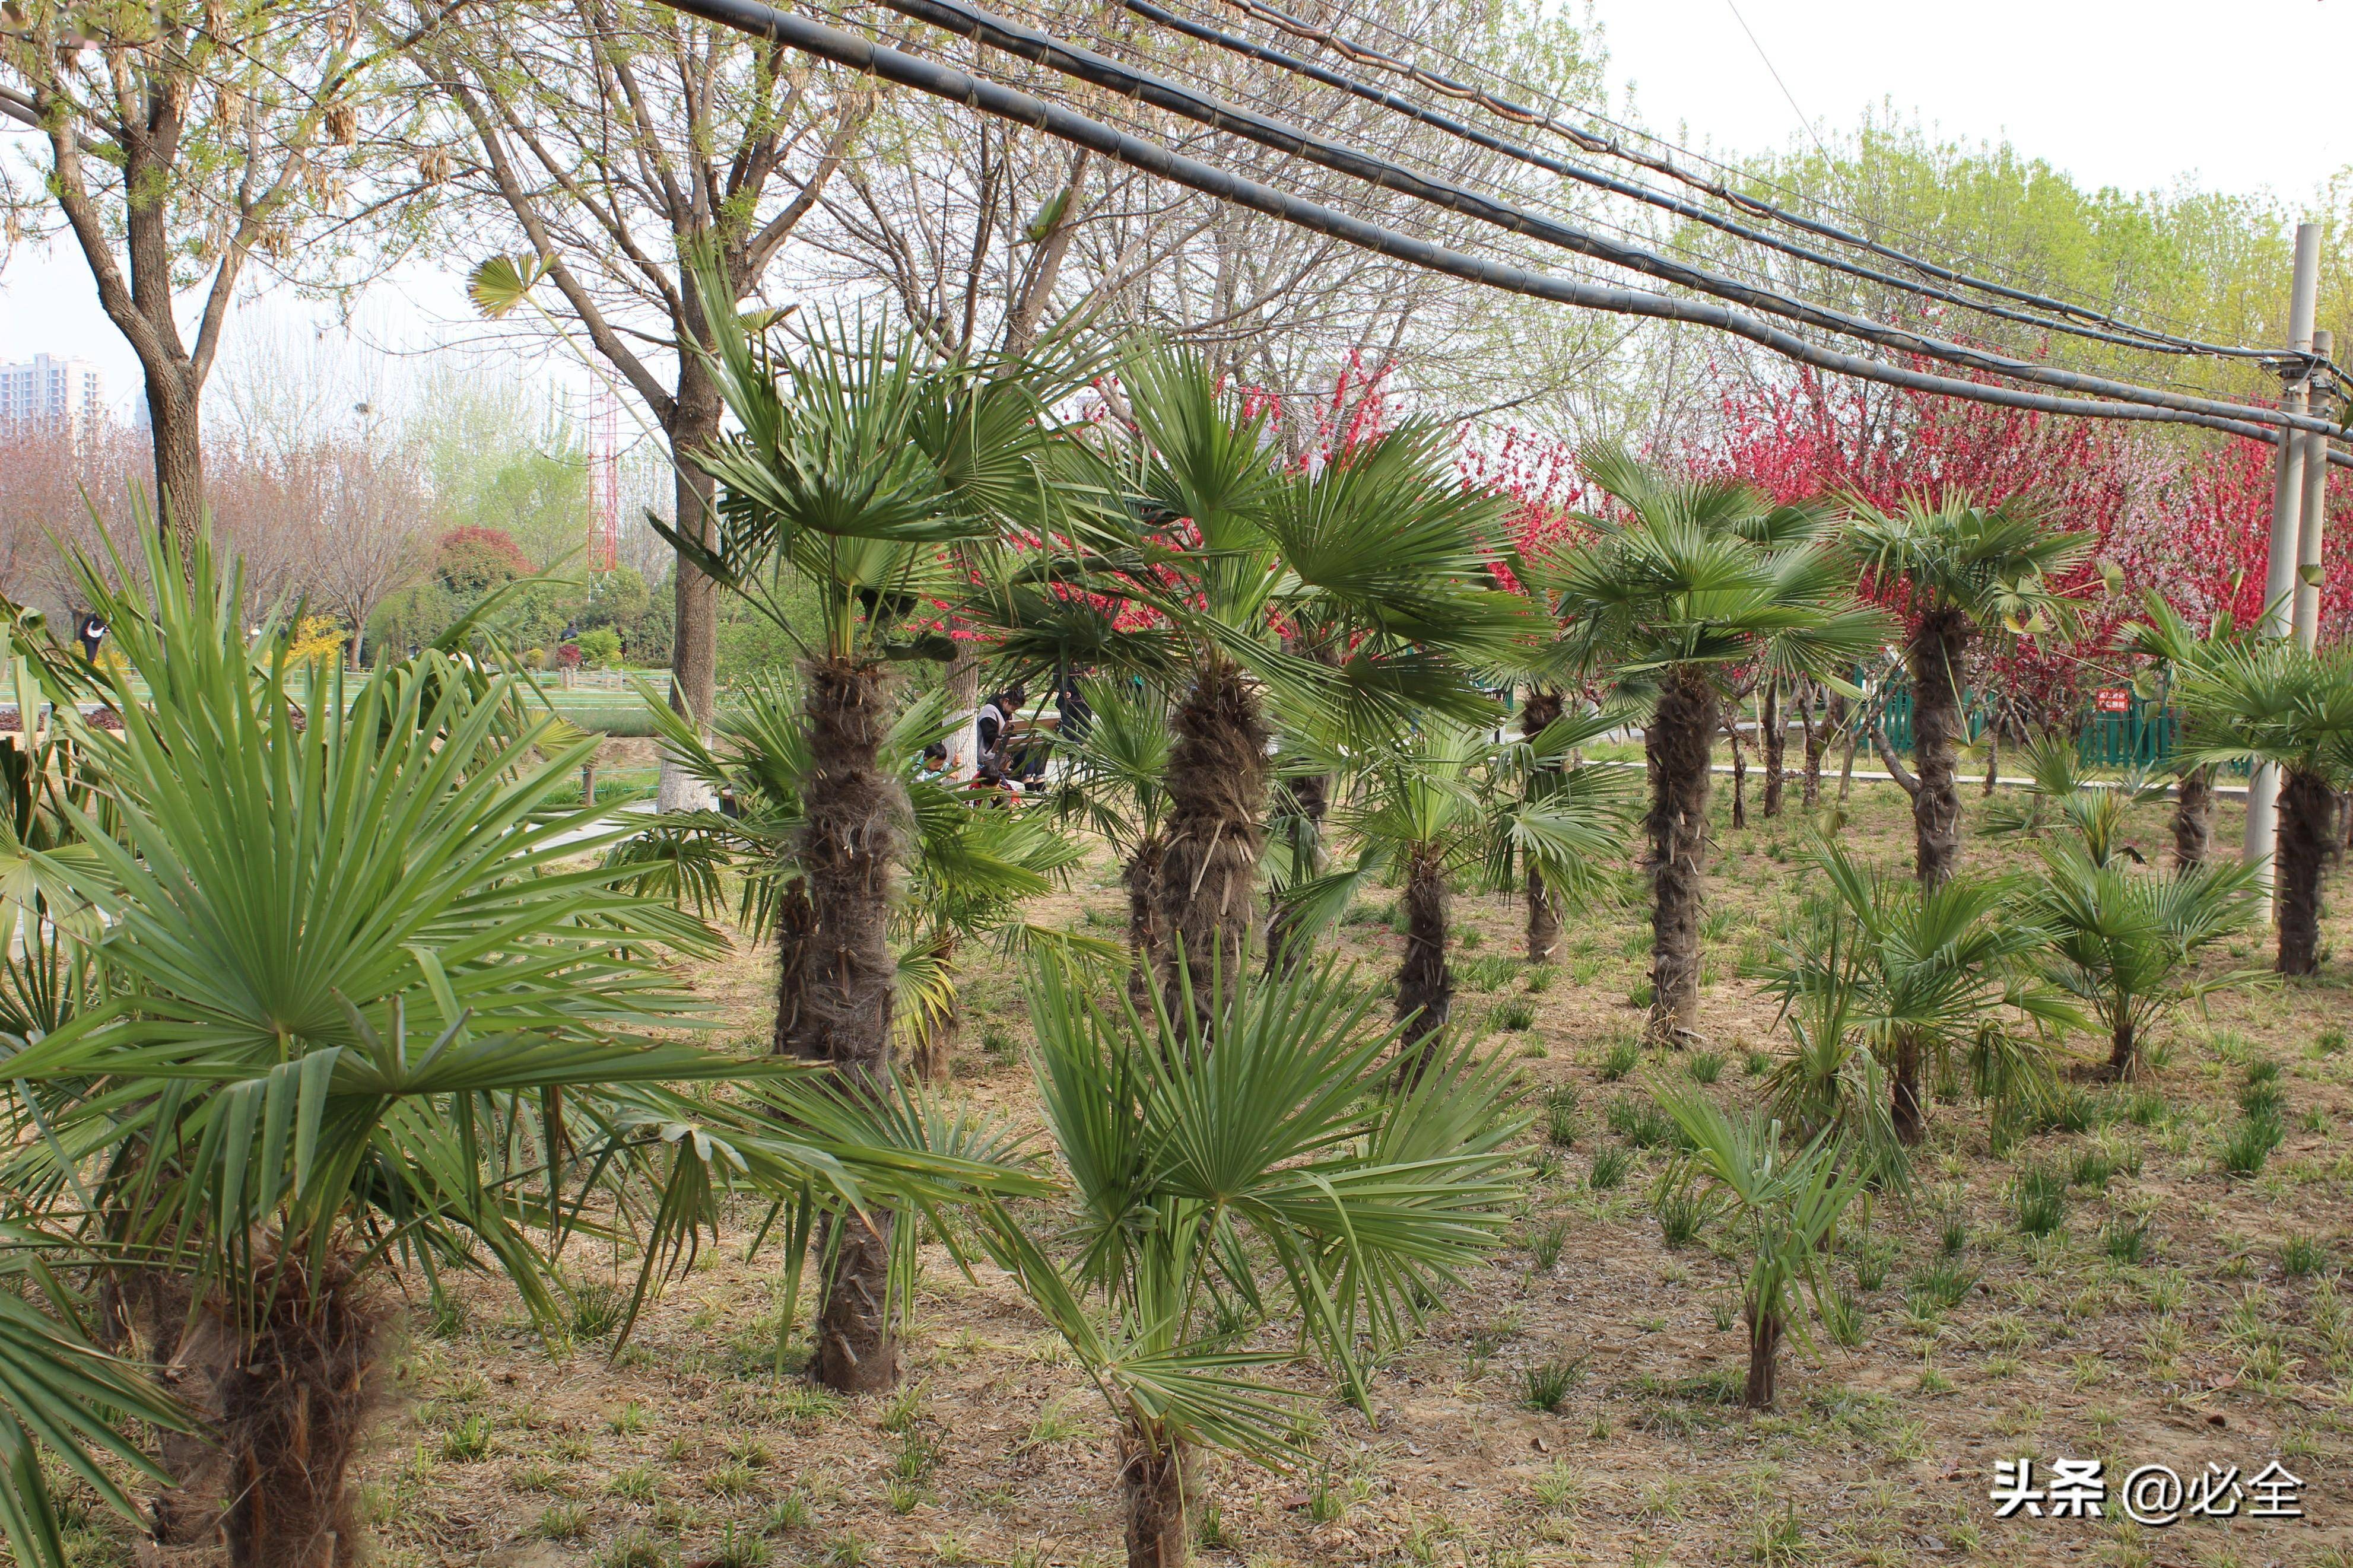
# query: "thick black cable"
x,y
1006,102
1650,195
1609,146
1027,42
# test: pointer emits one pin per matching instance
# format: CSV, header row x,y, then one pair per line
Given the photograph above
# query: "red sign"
x,y
2112,699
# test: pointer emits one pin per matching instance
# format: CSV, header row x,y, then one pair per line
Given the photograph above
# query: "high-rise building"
x,y
52,392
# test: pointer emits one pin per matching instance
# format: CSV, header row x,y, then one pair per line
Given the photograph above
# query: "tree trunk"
x,y
2123,1049
935,1042
1907,1109
1776,744
1305,801
292,1415
2307,814
1676,749
1217,834
1147,936
1815,739
1542,708
1934,657
2193,818
693,425
176,425
285,1400
963,708
1151,1479
1425,989
1839,715
1764,1356
1739,765
834,1003
1993,758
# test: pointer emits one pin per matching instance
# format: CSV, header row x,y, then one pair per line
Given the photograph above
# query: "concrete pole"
x,y
2287,505
2313,513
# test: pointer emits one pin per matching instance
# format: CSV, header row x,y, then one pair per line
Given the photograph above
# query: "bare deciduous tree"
x,y
184,139
610,138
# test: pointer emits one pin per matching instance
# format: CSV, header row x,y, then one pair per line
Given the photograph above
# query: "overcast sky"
x,y
2137,96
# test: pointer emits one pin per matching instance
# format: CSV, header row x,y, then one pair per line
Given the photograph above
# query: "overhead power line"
x,y
1650,196
995,98
1100,70
1611,146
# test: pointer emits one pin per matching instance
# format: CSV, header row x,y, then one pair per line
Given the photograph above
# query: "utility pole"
x,y
2314,506
2287,507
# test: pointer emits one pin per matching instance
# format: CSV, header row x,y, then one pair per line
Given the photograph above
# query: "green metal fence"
x,y
2140,735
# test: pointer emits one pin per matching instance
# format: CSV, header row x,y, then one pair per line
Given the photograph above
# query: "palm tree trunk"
x,y
1764,1356
834,1004
2193,818
1934,657
1677,747
283,1379
1739,766
2307,814
1217,834
935,1044
1542,708
1838,715
1152,1478
1147,937
2123,1049
1425,990
294,1413
1306,800
1907,1109
1776,744
1813,723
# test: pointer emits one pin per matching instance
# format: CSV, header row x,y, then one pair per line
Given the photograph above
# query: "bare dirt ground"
x,y
2228,1339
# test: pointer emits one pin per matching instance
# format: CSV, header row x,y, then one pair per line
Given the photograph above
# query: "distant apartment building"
x,y
51,392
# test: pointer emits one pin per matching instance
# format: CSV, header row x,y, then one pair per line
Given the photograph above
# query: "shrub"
x,y
600,648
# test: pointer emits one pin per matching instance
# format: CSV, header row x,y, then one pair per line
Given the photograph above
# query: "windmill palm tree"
x,y
359,1004
1381,549
1786,1205
2271,701
1282,1178
971,864
2172,645
1964,570
1115,782
1687,582
1541,707
865,476
1442,804
1916,975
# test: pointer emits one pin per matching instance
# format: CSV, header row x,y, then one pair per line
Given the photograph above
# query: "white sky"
x,y
2136,96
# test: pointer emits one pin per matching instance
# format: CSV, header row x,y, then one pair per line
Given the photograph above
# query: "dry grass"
x,y
2227,1338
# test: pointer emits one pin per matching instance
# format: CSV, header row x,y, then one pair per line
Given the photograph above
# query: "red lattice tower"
x,y
605,484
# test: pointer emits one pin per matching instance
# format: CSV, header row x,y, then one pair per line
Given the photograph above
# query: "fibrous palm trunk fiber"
x,y
1676,748
833,1001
